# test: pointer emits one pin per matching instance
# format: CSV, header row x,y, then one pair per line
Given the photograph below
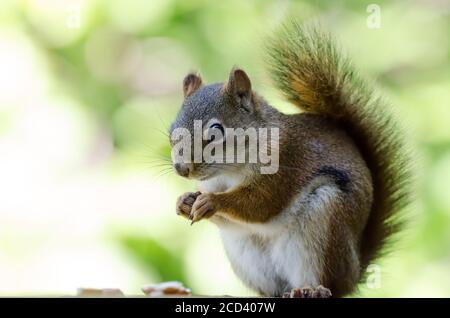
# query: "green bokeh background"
x,y
88,89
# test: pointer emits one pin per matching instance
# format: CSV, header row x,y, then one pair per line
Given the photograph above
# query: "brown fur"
x,y
262,197
310,71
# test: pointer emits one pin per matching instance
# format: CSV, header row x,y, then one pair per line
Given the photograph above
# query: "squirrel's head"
x,y
206,115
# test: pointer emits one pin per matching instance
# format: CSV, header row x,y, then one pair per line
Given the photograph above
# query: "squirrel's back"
x,y
313,75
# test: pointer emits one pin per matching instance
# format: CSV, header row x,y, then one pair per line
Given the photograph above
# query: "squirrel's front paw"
x,y
185,202
203,207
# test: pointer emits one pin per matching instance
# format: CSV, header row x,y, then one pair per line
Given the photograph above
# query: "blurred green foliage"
x,y
117,67
165,262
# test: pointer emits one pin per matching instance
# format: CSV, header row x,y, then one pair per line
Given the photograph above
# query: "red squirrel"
x,y
311,228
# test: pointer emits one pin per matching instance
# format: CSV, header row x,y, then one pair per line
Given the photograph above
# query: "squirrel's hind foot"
x,y
308,292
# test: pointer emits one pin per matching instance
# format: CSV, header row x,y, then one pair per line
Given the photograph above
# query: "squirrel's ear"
x,y
191,83
240,87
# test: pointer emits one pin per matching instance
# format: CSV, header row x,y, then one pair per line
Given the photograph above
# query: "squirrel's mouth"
x,y
201,172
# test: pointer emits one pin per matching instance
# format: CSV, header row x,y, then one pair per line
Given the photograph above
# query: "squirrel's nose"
x,y
182,169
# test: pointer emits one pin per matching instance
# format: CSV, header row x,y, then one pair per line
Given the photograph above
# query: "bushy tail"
x,y
312,74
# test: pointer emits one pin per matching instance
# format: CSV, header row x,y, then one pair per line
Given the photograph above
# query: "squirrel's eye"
x,y
219,127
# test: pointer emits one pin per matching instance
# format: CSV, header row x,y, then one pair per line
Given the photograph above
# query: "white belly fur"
x,y
273,257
